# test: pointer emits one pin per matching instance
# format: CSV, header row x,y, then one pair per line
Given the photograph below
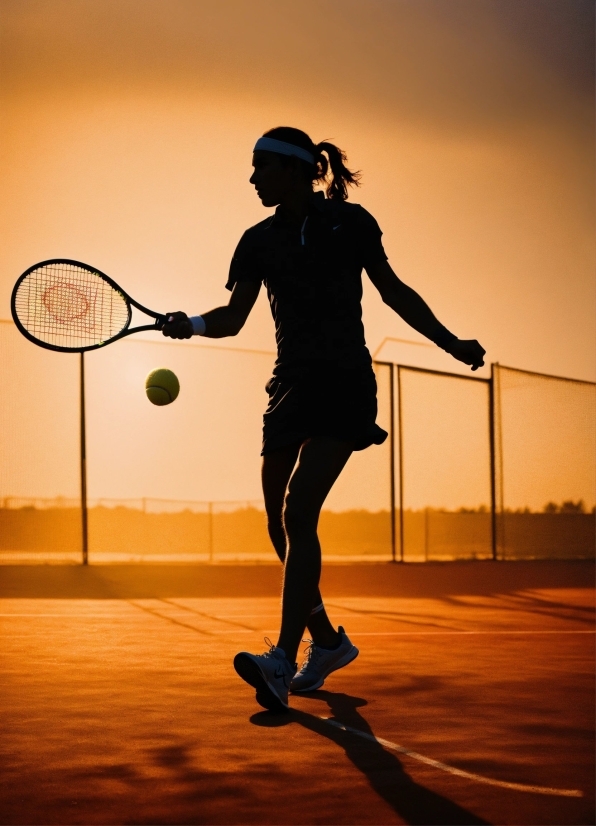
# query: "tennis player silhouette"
x,y
322,397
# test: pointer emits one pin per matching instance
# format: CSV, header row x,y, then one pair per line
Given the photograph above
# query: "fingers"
x,y
177,325
477,359
480,353
469,352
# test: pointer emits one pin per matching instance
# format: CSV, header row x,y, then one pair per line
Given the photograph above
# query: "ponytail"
x,y
341,176
336,183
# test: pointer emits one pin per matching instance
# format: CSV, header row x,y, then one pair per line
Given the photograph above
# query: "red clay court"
x,y
472,700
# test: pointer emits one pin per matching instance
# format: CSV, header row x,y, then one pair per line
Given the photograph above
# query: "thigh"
x,y
320,462
276,470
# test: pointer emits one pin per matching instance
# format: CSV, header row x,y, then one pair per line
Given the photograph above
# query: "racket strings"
x,y
66,305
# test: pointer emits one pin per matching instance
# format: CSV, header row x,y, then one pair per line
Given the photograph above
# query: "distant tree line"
x,y
551,507
567,507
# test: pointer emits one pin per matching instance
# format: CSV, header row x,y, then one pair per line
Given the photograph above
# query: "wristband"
x,y
198,325
444,339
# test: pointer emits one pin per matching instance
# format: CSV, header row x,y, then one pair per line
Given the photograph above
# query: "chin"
x,y
268,200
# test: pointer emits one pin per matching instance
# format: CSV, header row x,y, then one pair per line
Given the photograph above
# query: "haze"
x,y
128,125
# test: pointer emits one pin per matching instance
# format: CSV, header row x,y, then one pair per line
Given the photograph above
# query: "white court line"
x,y
441,633
65,616
478,778
460,633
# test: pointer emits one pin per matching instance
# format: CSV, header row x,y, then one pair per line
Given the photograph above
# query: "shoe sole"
x,y
349,657
249,671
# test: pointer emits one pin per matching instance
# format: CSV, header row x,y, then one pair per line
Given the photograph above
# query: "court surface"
x,y
472,700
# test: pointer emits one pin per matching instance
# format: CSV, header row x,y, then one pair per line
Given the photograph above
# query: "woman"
x,y
322,398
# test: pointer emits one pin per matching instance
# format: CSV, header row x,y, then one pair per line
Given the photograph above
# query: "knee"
x,y
275,523
297,519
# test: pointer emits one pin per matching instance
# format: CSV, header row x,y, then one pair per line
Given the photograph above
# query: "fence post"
x,y
401,465
493,462
84,522
392,460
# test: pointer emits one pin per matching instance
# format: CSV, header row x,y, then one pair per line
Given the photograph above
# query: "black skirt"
x,y
322,400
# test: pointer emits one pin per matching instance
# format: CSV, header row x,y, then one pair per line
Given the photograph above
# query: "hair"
x,y
330,170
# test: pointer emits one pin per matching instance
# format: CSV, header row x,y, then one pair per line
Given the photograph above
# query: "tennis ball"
x,y
162,386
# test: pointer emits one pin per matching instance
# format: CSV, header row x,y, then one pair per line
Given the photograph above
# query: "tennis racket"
x,y
68,306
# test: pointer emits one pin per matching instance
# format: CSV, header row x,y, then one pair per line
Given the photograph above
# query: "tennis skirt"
x,y
322,400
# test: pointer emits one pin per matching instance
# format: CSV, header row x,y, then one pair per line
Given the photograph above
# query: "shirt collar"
x,y
316,204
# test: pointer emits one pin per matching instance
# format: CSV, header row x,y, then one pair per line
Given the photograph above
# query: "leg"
x,y
275,475
320,462
276,472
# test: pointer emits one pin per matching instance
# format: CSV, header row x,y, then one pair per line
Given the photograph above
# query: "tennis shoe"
x,y
321,662
270,673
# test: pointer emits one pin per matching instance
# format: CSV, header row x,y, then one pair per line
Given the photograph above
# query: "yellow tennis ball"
x,y
162,386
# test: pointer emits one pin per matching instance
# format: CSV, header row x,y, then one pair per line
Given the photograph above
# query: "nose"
x,y
253,177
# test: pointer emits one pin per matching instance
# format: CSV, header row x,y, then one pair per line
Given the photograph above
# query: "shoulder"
x,y
362,227
358,221
253,237
257,230
354,214
245,264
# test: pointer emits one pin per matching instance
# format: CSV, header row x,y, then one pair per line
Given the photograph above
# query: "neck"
x,y
294,206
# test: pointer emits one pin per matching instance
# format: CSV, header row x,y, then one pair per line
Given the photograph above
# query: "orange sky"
x,y
127,129
128,126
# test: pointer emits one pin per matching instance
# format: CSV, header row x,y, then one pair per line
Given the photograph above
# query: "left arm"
x,y
415,311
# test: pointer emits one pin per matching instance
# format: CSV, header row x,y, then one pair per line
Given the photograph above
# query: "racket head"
x,y
68,306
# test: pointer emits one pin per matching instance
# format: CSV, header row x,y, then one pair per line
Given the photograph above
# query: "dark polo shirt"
x,y
313,277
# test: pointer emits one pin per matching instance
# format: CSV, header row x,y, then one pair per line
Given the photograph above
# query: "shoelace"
x,y
272,655
310,655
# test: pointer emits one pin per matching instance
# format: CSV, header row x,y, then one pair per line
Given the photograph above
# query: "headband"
x,y
283,148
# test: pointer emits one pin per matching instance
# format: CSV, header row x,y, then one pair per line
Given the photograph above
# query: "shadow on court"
x,y
412,802
472,700
431,579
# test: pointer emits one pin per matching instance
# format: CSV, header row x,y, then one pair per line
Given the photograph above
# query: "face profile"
x,y
272,179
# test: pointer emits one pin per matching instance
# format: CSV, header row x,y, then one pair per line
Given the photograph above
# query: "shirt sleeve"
x,y
369,239
244,265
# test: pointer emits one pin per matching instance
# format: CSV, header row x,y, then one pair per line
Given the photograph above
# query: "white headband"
x,y
283,148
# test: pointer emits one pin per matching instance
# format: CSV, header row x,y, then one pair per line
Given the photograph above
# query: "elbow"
x,y
396,297
391,299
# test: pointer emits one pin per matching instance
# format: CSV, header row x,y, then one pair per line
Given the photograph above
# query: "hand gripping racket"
x,y
68,306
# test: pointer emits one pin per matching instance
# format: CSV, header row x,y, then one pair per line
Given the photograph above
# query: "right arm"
x,y
415,311
222,321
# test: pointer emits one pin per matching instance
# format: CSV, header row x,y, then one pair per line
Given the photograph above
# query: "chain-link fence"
x,y
501,468
473,468
444,466
545,475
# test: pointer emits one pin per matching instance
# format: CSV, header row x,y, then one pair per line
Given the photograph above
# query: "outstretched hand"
x,y
470,352
178,325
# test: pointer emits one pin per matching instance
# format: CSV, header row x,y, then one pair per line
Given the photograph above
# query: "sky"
x,y
127,128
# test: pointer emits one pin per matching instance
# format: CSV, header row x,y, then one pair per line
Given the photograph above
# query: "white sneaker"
x,y
320,662
269,673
